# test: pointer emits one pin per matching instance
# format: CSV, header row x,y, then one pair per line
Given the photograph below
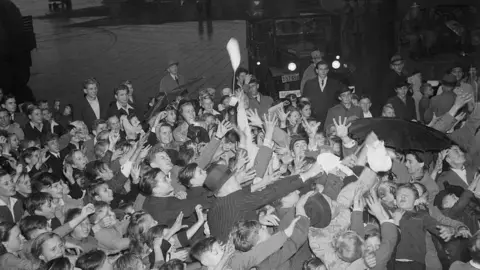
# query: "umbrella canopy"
x,y
400,134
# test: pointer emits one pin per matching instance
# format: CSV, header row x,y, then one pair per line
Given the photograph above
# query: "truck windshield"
x,y
302,34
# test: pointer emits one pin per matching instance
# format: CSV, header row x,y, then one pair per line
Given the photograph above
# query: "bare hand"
x,y
182,195
446,232
341,127
223,128
289,230
254,118
268,220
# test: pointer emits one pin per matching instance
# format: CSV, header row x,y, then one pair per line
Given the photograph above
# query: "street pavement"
x,y
68,55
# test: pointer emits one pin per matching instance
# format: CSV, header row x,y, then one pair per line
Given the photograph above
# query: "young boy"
x,y
110,235
427,92
41,204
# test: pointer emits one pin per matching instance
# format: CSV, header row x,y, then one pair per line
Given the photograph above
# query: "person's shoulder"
x,y
458,265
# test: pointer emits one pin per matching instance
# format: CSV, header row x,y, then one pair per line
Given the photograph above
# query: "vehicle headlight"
x,y
258,63
336,64
292,66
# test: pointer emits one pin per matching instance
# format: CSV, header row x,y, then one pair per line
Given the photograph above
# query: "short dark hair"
x,y
91,260
58,263
322,63
36,200
89,81
187,173
148,181
44,180
72,213
98,122
245,234
50,137
7,97
92,190
202,246
121,87
29,224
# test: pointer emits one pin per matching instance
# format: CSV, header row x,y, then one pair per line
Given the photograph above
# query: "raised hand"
x,y
289,230
310,129
177,226
199,212
270,124
222,129
462,99
254,118
446,232
282,116
268,219
135,173
88,210
341,127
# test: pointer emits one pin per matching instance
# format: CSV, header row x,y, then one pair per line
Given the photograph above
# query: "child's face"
x,y
67,110
56,190
83,229
164,186
104,194
52,248
320,139
24,185
405,199
372,243
53,146
210,120
294,118
47,116
79,160
14,142
7,187
106,174
337,149
134,121
355,101
33,159
106,215
47,210
449,201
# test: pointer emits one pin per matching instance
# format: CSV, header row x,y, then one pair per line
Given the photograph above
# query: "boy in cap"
x,y
403,104
345,109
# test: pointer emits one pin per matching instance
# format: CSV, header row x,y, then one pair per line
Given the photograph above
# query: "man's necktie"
x,y
323,83
176,79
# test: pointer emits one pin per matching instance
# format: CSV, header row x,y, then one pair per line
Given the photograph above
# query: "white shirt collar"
x,y
120,107
12,204
35,127
462,173
367,115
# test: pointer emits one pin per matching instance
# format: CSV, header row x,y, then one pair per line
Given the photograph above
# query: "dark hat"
x,y
344,89
217,176
172,63
449,189
318,210
396,58
197,134
449,80
439,198
296,138
401,83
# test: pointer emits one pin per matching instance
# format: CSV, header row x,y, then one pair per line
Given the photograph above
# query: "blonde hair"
x,y
349,246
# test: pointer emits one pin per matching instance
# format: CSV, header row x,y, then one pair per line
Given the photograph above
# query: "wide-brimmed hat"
x,y
449,80
172,63
217,176
319,211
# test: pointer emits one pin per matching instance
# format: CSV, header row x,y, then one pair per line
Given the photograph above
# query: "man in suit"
x,y
257,101
121,106
89,108
459,174
310,73
9,102
321,91
172,79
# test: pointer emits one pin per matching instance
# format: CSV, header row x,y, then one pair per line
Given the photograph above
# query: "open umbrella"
x,y
400,134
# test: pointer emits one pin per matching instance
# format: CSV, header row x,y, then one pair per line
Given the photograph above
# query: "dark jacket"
x,y
32,133
6,214
340,110
321,100
403,110
84,112
262,106
114,110
242,205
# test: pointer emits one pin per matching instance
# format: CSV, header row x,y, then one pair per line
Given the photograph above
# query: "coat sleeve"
x,y
291,246
261,251
389,234
262,159
357,223
208,152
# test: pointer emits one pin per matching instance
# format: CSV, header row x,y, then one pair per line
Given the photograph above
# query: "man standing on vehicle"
x,y
321,91
309,73
171,80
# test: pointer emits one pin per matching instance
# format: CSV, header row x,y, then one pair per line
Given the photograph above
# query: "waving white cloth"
x,y
378,158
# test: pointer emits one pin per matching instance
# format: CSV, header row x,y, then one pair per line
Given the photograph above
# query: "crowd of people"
x,y
242,181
